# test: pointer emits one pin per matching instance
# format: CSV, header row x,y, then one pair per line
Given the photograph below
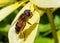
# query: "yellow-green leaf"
x,y
9,9
4,2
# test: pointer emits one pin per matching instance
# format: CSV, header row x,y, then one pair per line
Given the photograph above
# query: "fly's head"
x,y
28,13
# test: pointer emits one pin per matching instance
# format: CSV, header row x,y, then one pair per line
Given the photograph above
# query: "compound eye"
x,y
27,12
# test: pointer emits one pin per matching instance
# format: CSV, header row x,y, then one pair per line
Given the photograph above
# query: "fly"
x,y
21,22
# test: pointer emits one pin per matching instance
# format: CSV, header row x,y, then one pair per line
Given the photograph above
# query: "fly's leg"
x,y
29,23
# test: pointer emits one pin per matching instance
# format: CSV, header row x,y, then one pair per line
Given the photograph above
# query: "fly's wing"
x,y
22,25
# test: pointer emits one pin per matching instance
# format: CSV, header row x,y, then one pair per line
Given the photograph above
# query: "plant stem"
x,y
50,17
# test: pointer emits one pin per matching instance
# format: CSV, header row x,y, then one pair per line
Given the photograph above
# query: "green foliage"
x,y
44,34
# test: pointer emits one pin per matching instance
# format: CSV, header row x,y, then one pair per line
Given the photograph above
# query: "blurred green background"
x,y
44,33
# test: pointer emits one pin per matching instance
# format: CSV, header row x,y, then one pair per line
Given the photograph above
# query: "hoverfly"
x,y
21,22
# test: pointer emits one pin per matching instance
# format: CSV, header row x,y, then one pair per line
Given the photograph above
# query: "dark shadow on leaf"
x,y
57,12
44,19
3,37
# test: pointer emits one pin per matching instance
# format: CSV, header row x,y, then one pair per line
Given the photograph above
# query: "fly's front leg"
x,y
29,23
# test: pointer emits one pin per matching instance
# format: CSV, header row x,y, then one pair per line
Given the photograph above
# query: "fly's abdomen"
x,y
20,26
17,28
